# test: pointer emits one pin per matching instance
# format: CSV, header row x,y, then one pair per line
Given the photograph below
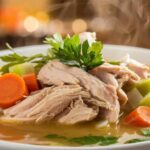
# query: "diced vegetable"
x,y
134,97
12,89
31,82
139,117
22,69
145,132
146,100
144,86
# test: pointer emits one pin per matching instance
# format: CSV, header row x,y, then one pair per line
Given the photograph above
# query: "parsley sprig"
x,y
14,59
72,52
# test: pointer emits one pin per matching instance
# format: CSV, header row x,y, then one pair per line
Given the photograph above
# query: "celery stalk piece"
x,y
146,100
144,86
22,69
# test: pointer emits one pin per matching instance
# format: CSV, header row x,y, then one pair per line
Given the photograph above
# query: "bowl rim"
x,y
7,144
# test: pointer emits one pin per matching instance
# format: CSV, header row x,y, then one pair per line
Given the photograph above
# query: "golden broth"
x,y
35,134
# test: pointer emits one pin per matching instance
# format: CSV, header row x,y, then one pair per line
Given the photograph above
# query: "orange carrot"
x,y
12,89
139,117
31,82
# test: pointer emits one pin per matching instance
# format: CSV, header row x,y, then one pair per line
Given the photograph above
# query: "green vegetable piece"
x,y
144,86
22,69
146,100
145,132
87,140
90,140
136,141
115,62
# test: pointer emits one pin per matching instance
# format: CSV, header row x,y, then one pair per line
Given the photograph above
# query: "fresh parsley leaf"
x,y
87,140
13,59
108,140
136,140
72,52
99,140
145,132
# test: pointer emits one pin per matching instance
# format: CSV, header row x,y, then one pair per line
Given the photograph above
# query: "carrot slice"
x,y
31,82
12,89
139,117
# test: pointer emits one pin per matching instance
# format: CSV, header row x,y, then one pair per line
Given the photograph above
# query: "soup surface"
x,y
35,134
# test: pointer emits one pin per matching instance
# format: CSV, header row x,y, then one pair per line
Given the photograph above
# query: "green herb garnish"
x,y
72,52
87,140
145,132
14,59
137,140
99,140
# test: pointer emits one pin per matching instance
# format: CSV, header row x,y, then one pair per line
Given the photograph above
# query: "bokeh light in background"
x,y
79,25
116,22
31,24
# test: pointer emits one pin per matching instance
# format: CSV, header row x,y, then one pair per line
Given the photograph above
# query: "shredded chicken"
x,y
100,90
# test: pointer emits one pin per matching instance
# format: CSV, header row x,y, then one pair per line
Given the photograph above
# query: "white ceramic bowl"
x,y
110,51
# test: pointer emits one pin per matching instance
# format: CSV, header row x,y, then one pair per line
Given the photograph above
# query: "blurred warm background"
x,y
27,22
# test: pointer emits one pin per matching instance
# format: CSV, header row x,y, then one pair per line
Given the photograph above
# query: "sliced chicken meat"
x,y
98,89
106,77
29,102
116,76
50,75
142,70
80,112
123,98
54,101
119,71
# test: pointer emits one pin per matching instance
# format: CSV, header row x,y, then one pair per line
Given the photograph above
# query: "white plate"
x,y
110,51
